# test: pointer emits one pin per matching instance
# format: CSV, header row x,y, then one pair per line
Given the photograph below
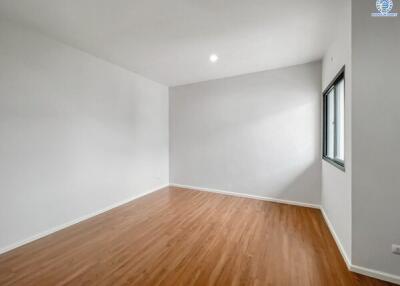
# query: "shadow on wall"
x,y
277,155
299,188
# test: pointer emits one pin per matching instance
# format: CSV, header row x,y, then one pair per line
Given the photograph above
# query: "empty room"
x,y
200,142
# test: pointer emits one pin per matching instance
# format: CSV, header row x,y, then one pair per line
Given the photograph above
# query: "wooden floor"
x,y
181,237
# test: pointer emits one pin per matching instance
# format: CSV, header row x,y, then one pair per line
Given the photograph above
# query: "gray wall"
x,y
336,184
77,134
257,134
376,138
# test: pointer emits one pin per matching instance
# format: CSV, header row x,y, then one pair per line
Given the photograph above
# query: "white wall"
x,y
376,138
257,134
336,184
77,134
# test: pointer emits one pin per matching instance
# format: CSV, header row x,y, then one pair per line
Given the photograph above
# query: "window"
x,y
333,147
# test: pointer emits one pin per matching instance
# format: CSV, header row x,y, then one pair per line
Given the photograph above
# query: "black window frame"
x,y
335,162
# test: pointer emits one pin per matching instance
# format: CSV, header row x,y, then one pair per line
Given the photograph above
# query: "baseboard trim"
x,y
354,268
75,221
243,195
376,274
336,238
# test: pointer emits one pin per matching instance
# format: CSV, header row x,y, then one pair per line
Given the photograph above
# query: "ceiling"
x,y
170,41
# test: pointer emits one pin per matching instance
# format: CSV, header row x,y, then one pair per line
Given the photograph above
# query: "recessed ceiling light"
x,y
213,58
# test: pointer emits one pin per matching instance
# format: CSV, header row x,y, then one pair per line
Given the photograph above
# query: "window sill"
x,y
334,163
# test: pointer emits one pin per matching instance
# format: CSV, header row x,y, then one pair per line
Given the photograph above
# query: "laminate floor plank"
x,y
183,237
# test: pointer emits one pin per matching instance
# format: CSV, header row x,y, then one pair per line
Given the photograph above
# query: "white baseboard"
x,y
336,238
243,195
376,274
354,268
75,221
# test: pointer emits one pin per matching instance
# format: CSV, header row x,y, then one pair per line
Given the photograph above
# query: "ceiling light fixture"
x,y
213,58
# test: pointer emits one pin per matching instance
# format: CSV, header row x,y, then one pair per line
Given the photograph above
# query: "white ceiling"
x,y
170,41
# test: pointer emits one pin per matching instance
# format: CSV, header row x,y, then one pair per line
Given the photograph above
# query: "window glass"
x,y
340,120
334,101
331,123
